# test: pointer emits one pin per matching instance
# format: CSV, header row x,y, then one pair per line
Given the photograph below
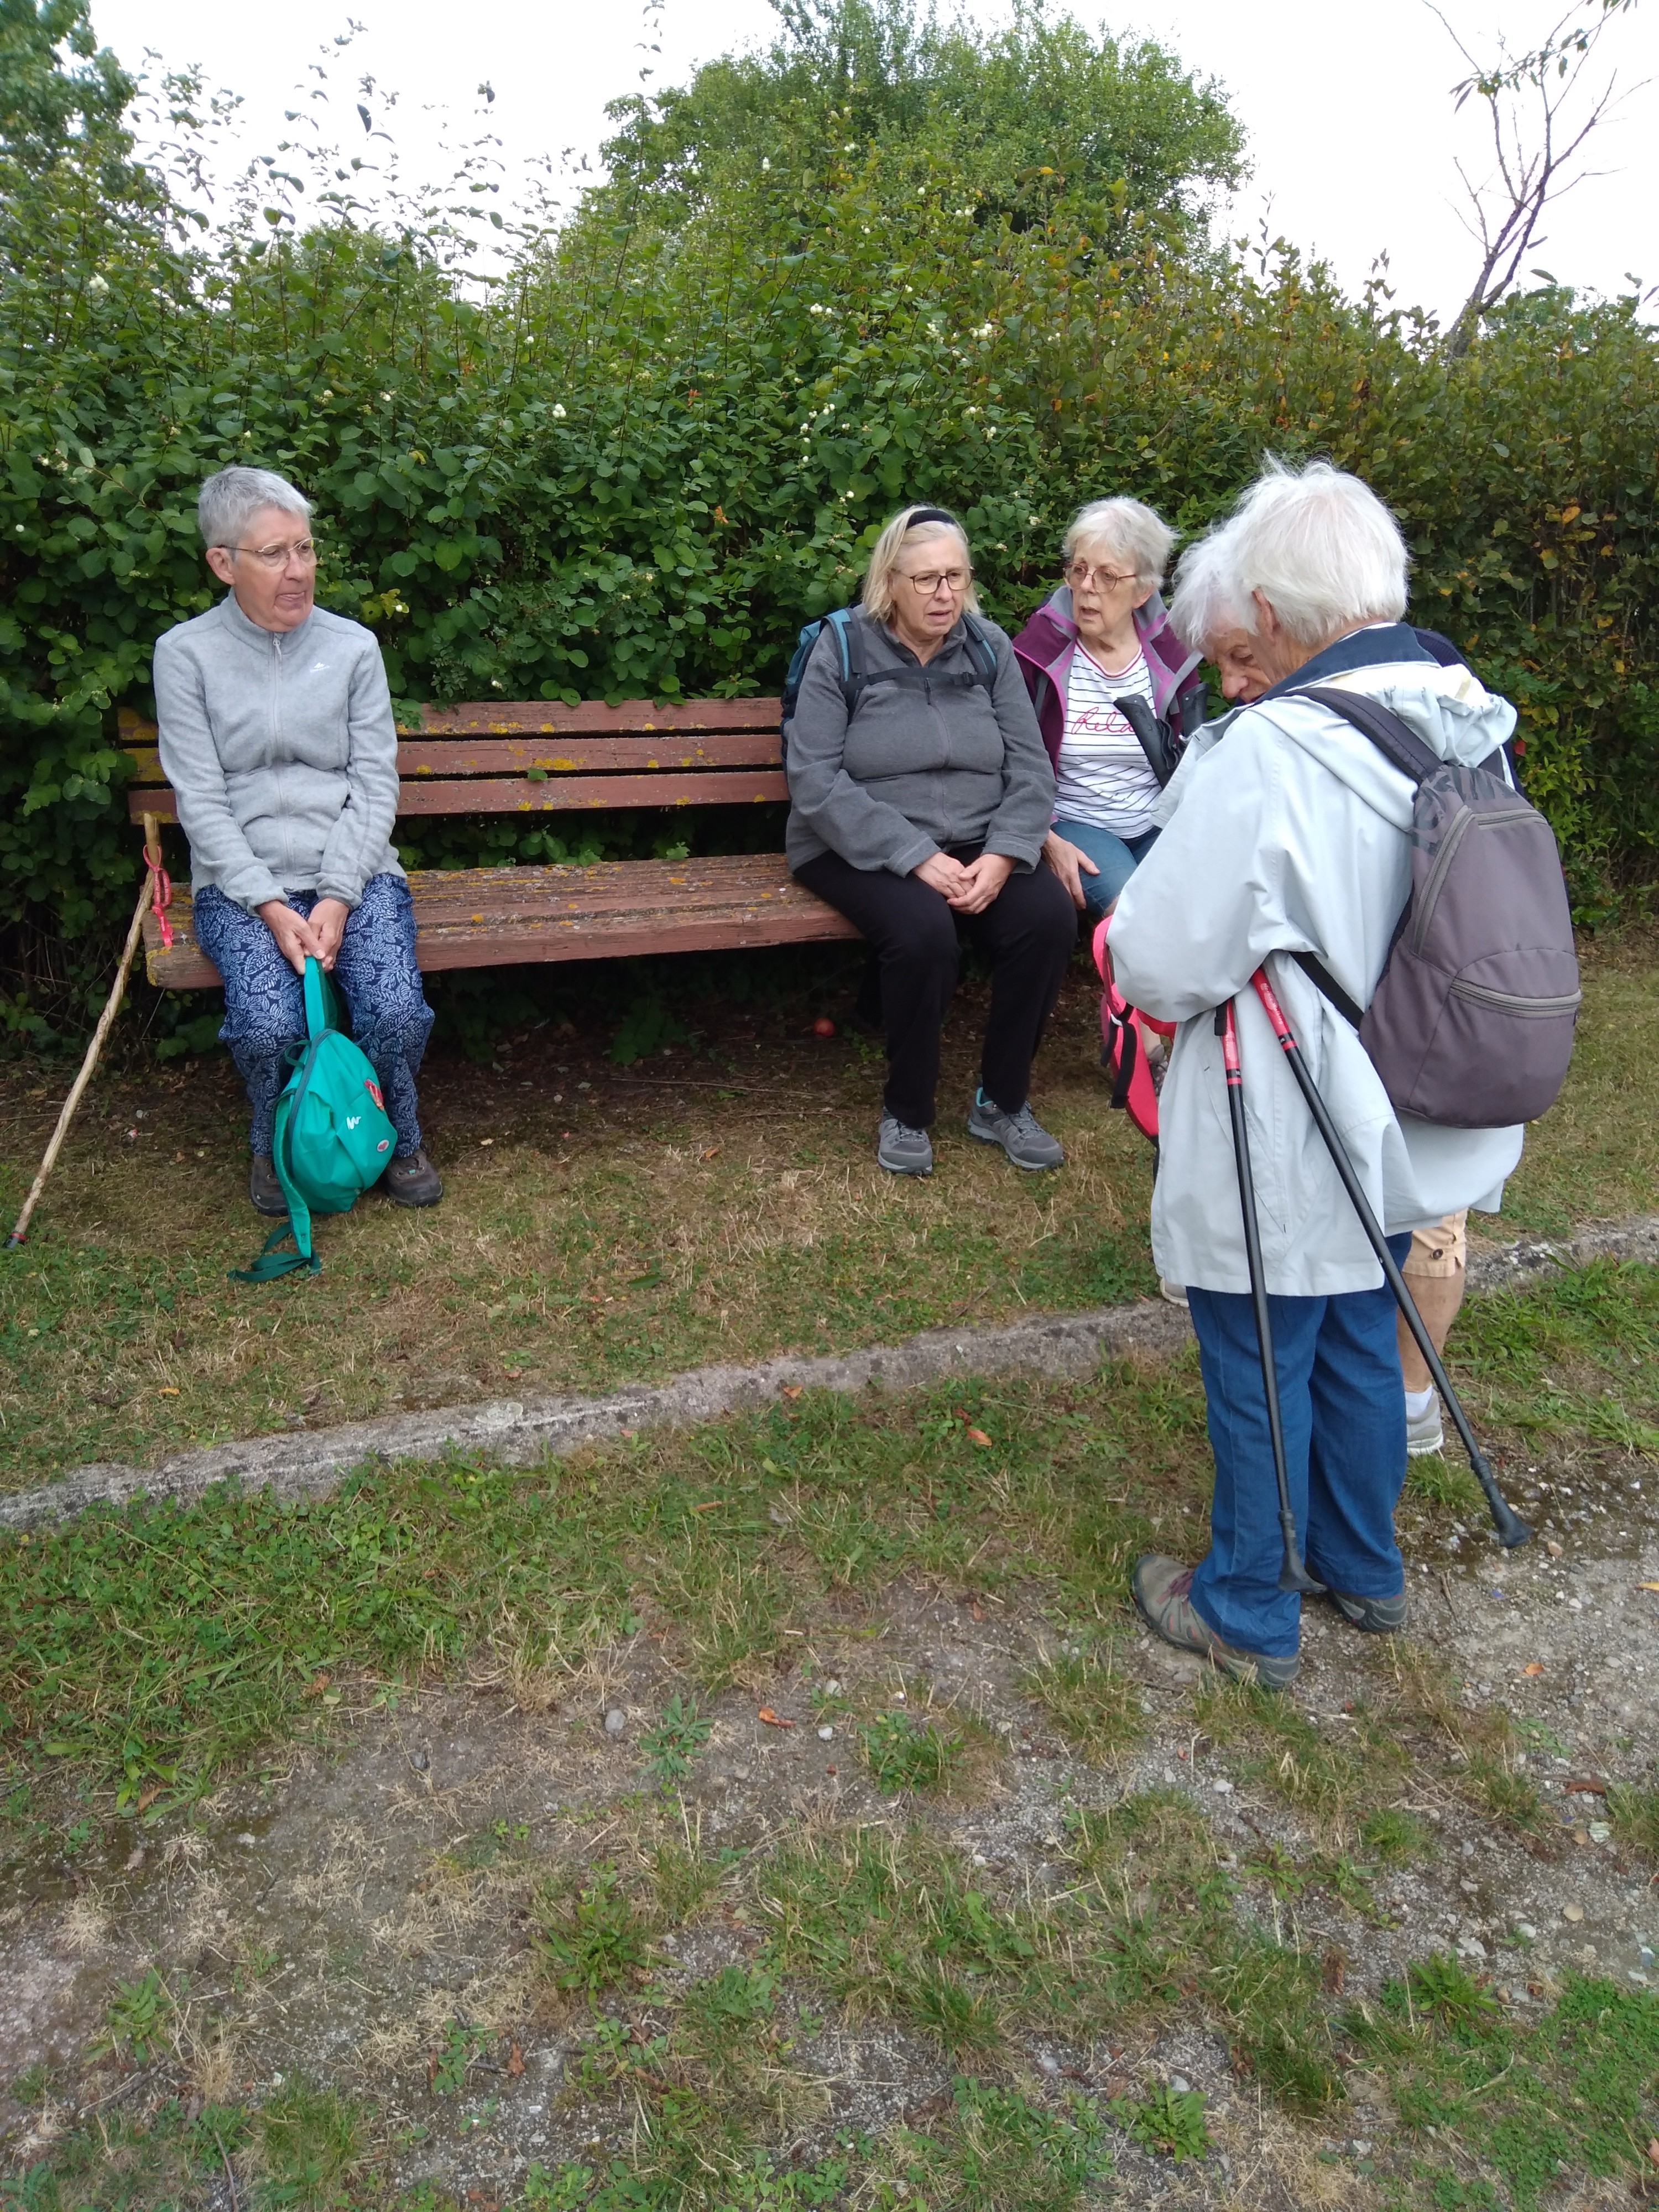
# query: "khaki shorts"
x,y
1441,1251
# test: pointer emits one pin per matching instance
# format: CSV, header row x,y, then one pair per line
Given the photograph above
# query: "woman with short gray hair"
x,y
1292,838
1103,638
276,735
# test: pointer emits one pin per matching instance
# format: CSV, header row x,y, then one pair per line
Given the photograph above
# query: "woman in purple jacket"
x,y
1103,638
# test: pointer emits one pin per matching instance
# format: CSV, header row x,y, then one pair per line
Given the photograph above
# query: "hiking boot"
x,y
264,1188
1161,1589
1424,1432
412,1180
1021,1135
901,1150
1378,1616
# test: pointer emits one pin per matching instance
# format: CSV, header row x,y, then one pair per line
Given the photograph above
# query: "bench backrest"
x,y
533,756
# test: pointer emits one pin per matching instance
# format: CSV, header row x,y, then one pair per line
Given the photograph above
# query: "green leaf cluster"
x,y
633,458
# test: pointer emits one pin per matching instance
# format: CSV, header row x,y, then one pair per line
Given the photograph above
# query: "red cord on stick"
x,y
162,890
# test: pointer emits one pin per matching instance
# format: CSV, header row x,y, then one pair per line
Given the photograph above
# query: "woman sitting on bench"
x,y
276,735
920,797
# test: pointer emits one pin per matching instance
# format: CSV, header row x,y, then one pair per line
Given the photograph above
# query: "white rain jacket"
x,y
1291,834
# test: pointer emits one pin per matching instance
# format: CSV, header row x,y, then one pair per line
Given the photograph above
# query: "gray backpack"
x,y
1471,1023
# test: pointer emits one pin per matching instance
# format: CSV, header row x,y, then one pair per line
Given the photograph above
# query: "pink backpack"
x,y
1124,1031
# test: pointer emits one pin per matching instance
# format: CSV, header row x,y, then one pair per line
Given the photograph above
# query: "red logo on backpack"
x,y
373,1090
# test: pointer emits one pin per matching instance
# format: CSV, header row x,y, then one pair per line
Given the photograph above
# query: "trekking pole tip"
x,y
1512,1530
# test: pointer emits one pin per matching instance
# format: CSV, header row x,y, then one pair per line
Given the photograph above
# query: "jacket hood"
x,y
1448,709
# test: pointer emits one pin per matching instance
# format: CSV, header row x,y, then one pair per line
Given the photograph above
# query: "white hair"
x,y
1201,609
1319,546
1125,530
227,502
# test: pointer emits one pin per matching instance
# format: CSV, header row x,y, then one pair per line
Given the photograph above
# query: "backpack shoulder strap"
x,y
986,651
853,677
1397,742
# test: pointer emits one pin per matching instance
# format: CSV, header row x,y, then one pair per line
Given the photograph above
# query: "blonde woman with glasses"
x,y
1099,658
277,736
921,797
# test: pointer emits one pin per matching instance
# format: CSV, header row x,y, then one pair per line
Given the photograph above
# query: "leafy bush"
x,y
657,441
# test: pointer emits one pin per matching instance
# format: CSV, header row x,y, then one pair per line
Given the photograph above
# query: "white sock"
x,y
1417,1403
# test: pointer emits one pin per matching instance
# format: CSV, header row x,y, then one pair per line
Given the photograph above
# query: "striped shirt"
x,y
1103,776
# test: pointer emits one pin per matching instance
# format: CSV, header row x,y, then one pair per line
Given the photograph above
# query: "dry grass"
x,y
717,1205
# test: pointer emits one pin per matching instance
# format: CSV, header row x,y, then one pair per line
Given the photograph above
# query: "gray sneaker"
x,y
901,1150
1378,1616
1424,1432
1021,1135
1161,1588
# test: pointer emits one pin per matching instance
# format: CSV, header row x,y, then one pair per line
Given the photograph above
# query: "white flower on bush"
x,y
558,412
986,331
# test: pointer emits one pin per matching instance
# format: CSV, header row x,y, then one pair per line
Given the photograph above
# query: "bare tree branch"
x,y
1536,151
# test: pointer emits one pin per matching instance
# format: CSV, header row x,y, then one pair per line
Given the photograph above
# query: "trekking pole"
x,y
1293,1575
112,1007
1512,1530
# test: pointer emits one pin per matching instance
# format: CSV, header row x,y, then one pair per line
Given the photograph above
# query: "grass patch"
x,y
720,1203
1513,2107
903,1752
1096,1705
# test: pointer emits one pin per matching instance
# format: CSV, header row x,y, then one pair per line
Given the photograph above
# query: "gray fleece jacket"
x,y
282,750
934,762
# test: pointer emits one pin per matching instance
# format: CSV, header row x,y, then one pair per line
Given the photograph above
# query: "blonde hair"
x,y
1128,530
878,593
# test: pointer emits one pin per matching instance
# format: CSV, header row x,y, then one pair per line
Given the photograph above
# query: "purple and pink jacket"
x,y
1044,650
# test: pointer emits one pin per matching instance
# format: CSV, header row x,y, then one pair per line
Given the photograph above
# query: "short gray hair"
x,y
228,502
1128,530
878,592
1200,607
1321,547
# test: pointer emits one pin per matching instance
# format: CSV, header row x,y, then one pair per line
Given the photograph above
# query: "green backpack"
x,y
332,1139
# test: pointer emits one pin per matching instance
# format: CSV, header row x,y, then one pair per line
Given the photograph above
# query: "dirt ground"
x,y
341,1915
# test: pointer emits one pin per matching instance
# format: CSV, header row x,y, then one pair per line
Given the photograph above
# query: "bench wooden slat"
x,y
557,795
520,718
477,917
422,756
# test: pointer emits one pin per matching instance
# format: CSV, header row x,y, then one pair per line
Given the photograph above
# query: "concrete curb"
x,y
304,1464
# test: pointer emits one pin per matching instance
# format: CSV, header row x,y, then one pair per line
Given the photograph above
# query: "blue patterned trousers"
x,y
265,1000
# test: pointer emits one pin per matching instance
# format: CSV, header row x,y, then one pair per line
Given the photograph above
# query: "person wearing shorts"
x,y
1437,1268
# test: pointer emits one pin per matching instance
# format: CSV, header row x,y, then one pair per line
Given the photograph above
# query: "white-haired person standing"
x,y
920,796
1437,1263
276,735
1102,637
1293,835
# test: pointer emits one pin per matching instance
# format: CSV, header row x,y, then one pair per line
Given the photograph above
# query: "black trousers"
x,y
1028,932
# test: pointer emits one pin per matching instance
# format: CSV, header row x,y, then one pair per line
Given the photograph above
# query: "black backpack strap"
x,y
987,672
1320,977
1397,742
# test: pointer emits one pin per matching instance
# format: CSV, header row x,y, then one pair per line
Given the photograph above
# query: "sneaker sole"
x,y
892,1168
413,1203
1424,1449
1025,1167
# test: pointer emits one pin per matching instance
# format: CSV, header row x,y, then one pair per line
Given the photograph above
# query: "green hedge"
x,y
634,464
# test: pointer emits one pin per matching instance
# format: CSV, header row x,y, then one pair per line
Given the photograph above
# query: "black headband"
x,y
931,514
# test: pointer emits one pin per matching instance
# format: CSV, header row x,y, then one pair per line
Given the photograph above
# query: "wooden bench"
x,y
538,758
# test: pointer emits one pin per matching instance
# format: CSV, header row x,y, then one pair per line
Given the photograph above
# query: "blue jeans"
x,y
265,1000
1344,1410
1116,858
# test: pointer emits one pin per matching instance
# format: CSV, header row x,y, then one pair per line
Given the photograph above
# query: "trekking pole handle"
x,y
1512,1530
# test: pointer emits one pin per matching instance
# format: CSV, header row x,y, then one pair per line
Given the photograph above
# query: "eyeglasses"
x,y
1103,580
954,579
304,550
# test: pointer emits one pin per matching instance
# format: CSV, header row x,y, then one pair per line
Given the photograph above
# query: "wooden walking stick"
x,y
157,889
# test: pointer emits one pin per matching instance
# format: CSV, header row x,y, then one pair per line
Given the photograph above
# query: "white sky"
x,y
1352,134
